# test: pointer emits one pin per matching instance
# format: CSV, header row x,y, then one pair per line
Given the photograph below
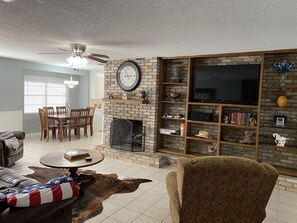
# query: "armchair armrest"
x,y
19,134
171,182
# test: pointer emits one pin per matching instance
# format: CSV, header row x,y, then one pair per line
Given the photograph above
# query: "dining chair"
x,y
61,110
84,119
45,125
50,111
90,120
74,123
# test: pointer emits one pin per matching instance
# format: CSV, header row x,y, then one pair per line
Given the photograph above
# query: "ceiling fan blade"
x,y
96,59
99,55
62,49
52,53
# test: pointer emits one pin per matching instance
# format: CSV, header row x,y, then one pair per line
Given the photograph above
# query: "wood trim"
x,y
286,171
234,54
223,105
125,101
259,108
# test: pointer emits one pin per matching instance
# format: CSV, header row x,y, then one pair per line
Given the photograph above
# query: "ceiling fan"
x,y
77,52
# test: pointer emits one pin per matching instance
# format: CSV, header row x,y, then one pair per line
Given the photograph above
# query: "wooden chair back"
x,y
61,110
74,117
43,118
84,116
50,110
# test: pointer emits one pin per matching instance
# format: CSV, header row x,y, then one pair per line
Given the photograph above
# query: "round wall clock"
x,y
128,75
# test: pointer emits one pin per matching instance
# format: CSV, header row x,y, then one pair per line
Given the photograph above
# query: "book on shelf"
x,y
71,155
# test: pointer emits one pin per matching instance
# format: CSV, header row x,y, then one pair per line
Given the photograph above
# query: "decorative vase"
x,y
282,101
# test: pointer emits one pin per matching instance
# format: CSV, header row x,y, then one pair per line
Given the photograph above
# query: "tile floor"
x,y
149,203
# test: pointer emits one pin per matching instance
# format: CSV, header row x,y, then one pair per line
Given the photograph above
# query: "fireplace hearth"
x,y
127,135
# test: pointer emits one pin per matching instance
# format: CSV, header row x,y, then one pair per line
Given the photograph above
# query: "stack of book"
x,y
239,118
71,155
167,131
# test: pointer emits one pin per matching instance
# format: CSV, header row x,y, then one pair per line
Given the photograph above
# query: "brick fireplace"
x,y
146,113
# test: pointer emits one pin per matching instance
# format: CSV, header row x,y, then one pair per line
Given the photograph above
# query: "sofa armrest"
x,y
2,155
19,134
3,203
35,213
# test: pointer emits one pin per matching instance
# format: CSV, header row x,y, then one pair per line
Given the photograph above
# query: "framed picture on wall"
x,y
280,121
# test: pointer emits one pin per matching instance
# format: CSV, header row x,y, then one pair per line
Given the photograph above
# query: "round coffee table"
x,y
56,160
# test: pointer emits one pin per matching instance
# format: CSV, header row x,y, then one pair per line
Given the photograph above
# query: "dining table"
x,y
61,119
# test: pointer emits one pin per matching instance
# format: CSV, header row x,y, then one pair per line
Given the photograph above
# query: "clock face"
x,y
128,76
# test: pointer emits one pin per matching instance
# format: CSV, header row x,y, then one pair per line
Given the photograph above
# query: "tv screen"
x,y
230,84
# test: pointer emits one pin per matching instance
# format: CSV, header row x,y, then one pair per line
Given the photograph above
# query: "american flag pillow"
x,y
55,190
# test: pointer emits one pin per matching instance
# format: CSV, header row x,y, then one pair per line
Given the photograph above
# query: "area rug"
x,y
90,204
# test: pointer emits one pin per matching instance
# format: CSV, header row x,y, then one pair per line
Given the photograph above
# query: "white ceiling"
x,y
144,28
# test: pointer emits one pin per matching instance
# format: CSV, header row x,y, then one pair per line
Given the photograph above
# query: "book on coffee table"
x,y
75,155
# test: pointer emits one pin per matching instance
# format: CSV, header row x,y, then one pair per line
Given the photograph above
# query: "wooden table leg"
x,y
60,129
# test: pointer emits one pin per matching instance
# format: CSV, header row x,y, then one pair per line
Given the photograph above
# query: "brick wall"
x,y
268,151
144,112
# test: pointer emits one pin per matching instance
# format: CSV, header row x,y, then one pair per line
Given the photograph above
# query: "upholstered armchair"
x,y
220,189
9,154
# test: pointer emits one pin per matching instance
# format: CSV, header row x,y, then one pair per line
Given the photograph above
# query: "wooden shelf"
x,y
126,101
171,83
276,128
172,151
274,146
201,139
239,126
175,119
180,153
286,171
175,102
223,105
202,122
173,135
238,144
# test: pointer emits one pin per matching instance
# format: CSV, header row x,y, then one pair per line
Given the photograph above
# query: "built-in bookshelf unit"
x,y
208,122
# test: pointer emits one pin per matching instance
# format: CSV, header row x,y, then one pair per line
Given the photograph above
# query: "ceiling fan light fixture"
x,y
77,61
71,83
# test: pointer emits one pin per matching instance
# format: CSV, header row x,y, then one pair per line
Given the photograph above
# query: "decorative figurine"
x,y
253,122
125,95
280,140
226,119
248,137
109,95
142,94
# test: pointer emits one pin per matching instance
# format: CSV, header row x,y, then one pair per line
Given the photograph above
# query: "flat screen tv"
x,y
227,84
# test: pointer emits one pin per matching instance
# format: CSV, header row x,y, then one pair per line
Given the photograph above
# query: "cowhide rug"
x,y
90,204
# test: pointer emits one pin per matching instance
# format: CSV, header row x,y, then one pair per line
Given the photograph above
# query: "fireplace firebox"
x,y
127,135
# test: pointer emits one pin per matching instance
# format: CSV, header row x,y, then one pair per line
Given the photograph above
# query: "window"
x,y
40,91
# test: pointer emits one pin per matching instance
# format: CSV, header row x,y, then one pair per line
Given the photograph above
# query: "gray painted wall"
x,y
12,87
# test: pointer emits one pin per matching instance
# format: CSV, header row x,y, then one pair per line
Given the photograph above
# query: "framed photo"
x,y
280,121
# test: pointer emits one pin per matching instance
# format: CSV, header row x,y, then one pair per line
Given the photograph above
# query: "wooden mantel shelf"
x,y
126,101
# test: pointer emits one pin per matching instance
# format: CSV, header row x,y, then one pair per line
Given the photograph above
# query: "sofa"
x,y
220,189
9,154
58,212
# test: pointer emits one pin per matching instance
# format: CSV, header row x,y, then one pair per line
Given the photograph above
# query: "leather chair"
x,y
220,189
58,212
8,155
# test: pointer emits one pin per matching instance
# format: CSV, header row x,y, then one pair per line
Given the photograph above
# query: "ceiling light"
x,y
71,83
77,61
